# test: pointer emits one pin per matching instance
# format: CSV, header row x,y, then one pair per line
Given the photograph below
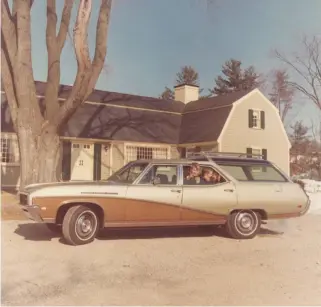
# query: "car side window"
x,y
207,175
161,175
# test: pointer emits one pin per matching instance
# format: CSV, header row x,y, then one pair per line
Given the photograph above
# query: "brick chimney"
x,y
186,93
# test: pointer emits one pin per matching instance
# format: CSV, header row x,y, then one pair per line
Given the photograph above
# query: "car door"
x,y
208,203
156,197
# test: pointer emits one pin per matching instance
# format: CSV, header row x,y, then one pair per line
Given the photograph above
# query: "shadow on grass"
x,y
40,232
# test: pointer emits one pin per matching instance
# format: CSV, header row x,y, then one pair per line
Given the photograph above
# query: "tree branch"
x,y
64,25
26,91
8,31
8,83
54,49
101,42
87,73
307,66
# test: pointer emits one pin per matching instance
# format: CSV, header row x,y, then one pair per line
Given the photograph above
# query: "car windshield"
x,y
129,173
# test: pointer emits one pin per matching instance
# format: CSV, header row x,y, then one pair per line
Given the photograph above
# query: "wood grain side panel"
x,y
194,215
129,210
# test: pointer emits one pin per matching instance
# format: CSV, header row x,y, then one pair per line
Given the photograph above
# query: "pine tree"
x,y
188,76
168,94
235,79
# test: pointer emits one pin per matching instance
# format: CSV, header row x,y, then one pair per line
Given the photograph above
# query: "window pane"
x,y
235,171
266,173
164,174
256,151
128,174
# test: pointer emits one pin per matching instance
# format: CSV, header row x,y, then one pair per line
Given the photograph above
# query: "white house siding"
x,y
237,136
117,156
106,169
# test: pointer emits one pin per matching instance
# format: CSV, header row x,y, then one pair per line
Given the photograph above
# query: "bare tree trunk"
x,y
38,133
40,156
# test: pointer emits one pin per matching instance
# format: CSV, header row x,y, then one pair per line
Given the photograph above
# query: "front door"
x,y
156,199
208,203
82,161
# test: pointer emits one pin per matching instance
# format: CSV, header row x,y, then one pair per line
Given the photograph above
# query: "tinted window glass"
x,y
236,171
161,174
128,174
254,172
265,173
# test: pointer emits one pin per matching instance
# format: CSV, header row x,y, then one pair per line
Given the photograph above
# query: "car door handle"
x,y
229,190
176,191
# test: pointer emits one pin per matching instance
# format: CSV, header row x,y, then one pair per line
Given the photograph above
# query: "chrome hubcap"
x,y
246,222
85,224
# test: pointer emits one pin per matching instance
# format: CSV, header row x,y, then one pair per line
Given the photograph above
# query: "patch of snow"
x,y
313,189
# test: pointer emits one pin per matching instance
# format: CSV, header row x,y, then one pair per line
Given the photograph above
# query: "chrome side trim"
x,y
163,224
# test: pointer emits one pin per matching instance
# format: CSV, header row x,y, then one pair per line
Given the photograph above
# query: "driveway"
x,y
173,267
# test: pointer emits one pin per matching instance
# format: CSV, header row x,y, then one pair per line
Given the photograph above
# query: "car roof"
x,y
204,160
236,160
169,161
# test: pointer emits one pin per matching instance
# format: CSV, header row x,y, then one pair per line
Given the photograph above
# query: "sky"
x,y
150,40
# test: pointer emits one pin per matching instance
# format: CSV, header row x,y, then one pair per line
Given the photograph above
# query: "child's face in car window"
x,y
194,171
208,175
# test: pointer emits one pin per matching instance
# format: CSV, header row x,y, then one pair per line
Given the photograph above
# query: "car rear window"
x,y
235,171
248,172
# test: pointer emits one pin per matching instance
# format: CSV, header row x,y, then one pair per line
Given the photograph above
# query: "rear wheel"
x,y
244,224
80,225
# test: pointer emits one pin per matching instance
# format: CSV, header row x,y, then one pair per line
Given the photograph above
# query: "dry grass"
x,y
10,208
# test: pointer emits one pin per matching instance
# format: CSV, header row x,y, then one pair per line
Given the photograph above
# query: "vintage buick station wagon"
x,y
149,193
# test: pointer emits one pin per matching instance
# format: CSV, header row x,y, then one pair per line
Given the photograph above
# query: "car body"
x,y
250,190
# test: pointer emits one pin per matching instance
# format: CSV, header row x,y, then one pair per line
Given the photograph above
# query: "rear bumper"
x,y
306,209
32,213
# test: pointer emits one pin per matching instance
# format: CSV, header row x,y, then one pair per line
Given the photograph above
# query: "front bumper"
x,y
32,213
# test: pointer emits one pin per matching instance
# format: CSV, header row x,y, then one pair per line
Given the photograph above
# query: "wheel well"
x,y
96,208
261,212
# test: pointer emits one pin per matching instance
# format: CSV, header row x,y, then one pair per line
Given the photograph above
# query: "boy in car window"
x,y
193,174
207,176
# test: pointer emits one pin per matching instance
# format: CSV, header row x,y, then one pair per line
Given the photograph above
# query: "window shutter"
x,y
97,161
66,160
249,152
250,118
262,120
264,153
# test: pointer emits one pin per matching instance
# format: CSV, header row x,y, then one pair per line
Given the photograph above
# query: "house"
x,y
111,129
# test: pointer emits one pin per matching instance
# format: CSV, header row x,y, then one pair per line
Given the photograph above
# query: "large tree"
x,y
188,76
306,66
282,92
37,131
235,78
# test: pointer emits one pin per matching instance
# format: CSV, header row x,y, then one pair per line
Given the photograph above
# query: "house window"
x,y
256,152
9,150
145,153
256,119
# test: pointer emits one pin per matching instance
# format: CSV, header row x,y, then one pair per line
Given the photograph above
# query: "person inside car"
x,y
216,178
207,176
193,174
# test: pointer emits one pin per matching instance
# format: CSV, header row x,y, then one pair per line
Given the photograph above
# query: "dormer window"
x,y
256,119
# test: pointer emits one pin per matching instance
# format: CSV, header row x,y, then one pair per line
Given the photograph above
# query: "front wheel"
x,y
244,224
80,225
